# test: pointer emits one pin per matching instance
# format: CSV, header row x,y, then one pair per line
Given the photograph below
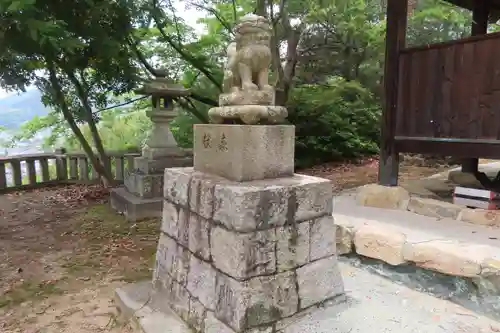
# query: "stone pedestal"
x,y
245,152
245,257
142,195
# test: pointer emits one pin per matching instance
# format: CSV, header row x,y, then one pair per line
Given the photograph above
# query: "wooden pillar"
x,y
480,14
397,12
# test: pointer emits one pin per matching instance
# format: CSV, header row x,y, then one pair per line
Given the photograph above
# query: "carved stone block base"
x,y
164,152
256,97
248,114
135,208
141,197
245,257
244,152
148,166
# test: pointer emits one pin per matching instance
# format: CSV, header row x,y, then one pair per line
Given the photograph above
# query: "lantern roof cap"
x,y
161,86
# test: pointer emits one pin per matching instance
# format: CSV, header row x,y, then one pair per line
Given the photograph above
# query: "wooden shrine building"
x,y
443,98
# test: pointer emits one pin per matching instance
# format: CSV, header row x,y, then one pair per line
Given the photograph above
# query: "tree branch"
x,y
187,57
176,23
142,59
204,100
187,104
218,16
235,14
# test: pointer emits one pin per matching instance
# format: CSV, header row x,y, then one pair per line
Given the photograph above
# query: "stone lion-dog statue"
x,y
249,56
247,95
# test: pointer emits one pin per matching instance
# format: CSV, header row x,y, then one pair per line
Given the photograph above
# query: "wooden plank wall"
x,y
450,90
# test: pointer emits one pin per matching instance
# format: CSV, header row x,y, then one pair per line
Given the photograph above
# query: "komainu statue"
x,y
249,57
247,95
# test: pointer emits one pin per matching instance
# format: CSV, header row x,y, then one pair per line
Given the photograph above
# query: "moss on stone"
x,y
259,314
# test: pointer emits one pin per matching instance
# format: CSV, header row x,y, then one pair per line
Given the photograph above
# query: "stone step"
x,y
374,304
400,237
145,314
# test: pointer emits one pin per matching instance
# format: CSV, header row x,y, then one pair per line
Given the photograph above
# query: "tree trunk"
x,y
72,123
260,8
82,95
285,73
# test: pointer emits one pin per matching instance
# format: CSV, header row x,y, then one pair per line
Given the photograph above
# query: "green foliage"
x,y
437,21
182,129
332,78
333,121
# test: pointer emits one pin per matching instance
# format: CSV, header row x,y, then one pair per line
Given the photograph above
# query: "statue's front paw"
x,y
250,86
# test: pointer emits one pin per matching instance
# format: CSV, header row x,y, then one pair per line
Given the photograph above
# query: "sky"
x,y
188,14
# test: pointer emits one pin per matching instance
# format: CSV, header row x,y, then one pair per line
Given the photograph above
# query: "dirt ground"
x,y
350,175
63,251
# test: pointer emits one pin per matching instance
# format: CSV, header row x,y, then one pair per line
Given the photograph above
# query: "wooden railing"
x,y
20,172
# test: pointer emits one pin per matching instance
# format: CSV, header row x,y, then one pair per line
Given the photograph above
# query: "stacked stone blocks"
x,y
245,257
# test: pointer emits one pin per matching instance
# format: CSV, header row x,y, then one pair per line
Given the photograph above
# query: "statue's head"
x,y
252,30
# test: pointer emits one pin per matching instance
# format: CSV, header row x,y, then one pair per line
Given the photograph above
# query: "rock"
x,y
480,216
247,208
319,281
322,238
201,195
178,298
255,205
292,246
199,236
491,266
171,260
464,179
170,219
441,187
379,196
197,315
344,239
175,222
433,208
243,255
176,185
419,188
313,198
201,282
258,301
449,257
214,325
489,281
384,244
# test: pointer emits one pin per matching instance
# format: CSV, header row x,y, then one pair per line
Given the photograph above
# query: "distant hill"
x,y
17,109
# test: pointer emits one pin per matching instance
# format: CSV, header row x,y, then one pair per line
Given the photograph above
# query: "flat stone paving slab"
x,y
375,305
398,237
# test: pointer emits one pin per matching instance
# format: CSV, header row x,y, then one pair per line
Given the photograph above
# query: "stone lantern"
x,y
142,195
161,143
